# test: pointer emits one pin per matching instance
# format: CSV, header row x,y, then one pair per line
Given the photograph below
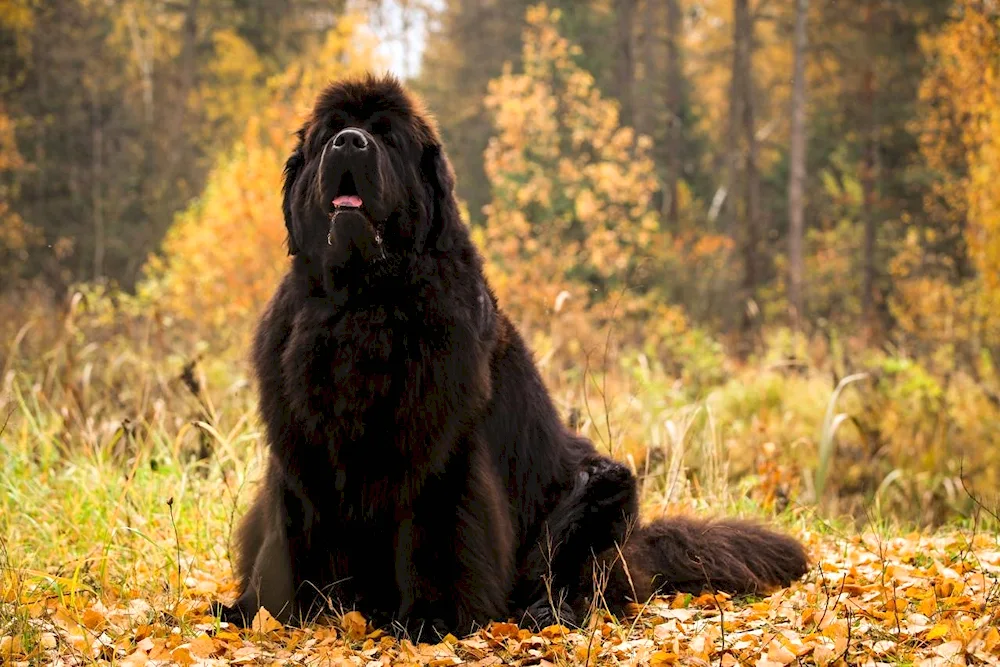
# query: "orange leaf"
x,y
927,606
263,622
553,631
137,658
182,656
938,631
203,646
663,658
780,654
10,647
354,625
503,629
93,619
992,639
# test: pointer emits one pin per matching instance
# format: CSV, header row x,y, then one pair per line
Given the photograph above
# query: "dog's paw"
x,y
540,615
418,629
607,483
229,614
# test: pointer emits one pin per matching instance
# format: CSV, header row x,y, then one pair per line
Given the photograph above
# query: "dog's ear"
x,y
446,221
292,168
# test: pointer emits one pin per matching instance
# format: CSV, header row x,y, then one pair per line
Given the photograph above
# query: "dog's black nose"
x,y
350,140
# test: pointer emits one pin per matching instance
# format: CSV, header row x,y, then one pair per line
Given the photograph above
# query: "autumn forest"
x,y
754,246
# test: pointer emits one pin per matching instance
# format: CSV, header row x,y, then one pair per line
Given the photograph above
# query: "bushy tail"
x,y
688,555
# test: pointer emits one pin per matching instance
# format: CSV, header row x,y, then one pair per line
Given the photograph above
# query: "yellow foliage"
x,y
983,193
225,253
940,313
960,140
17,16
571,215
10,157
16,235
962,135
233,89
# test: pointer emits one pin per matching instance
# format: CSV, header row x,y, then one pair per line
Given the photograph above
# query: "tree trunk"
x,y
143,54
650,45
626,59
728,209
797,160
751,238
868,212
868,183
188,83
96,181
189,64
674,82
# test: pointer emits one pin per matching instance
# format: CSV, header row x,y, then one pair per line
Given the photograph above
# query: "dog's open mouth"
x,y
347,197
348,200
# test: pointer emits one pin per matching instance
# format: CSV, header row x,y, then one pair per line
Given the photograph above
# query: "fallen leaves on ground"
x,y
912,599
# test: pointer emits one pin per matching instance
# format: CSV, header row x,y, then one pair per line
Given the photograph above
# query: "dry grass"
x,y
128,446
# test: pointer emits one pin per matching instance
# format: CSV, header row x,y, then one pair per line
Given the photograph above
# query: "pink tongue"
x,y
348,200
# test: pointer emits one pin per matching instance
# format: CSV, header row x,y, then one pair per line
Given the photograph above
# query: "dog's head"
x,y
368,180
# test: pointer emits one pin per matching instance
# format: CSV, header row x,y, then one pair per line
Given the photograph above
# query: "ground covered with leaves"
x,y
871,599
123,470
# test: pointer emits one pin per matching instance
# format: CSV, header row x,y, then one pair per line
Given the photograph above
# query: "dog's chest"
x,y
348,372
369,347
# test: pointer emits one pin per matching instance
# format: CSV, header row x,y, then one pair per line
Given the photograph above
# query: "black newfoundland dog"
x,y
418,469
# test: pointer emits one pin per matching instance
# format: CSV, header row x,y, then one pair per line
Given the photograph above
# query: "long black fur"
x,y
418,469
